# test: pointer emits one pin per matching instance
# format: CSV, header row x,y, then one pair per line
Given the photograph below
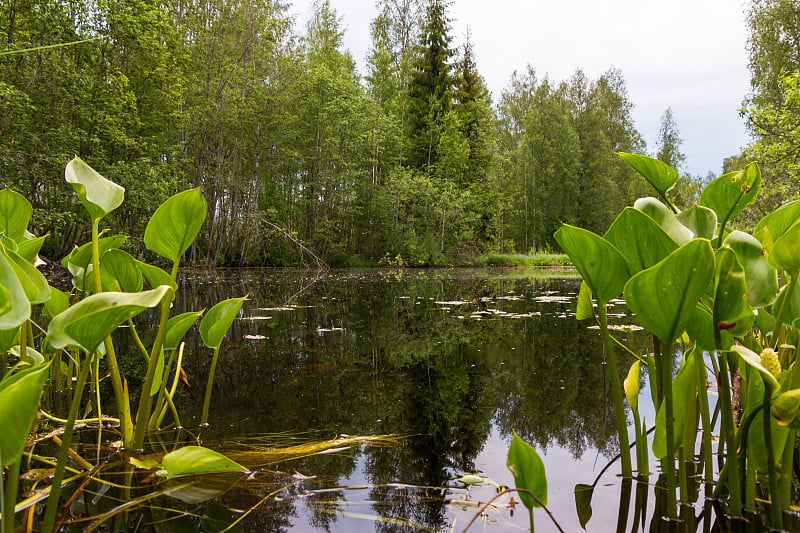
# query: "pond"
x,y
449,361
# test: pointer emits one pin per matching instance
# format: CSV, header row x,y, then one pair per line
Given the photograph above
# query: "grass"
x,y
537,259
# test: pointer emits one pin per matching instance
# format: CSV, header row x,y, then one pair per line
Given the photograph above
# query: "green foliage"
x,y
529,476
19,401
175,224
191,460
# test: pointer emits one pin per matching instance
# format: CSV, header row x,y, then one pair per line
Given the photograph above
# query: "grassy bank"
x,y
537,259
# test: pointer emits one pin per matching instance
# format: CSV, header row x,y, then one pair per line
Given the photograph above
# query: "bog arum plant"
x,y
694,283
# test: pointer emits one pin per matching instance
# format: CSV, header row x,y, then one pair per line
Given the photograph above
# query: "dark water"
x,y
452,360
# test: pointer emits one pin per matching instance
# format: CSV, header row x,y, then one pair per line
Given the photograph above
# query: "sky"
x,y
686,54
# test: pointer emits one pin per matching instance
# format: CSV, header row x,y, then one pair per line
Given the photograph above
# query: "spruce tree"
x,y
431,88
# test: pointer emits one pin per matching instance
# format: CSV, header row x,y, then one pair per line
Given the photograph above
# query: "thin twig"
x,y
487,504
320,262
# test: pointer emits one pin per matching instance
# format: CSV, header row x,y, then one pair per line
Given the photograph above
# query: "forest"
x,y
300,155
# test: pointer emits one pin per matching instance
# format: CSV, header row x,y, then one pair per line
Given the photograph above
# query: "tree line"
x,y
294,149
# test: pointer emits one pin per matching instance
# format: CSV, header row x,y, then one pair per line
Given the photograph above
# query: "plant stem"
x,y
775,499
55,489
616,392
210,385
787,471
783,309
728,433
143,412
702,396
9,498
664,366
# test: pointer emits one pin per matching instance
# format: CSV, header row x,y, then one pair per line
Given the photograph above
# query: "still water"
x,y
452,361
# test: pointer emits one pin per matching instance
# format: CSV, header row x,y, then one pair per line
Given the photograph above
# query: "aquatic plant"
x,y
108,292
706,293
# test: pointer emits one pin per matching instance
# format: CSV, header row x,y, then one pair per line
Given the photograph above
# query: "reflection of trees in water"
x,y
402,365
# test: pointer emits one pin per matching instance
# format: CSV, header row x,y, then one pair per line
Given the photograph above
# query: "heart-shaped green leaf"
x,y
119,272
97,194
702,221
732,313
785,252
600,264
15,214
177,327
19,401
657,173
155,275
730,193
91,320
175,224
28,249
192,460
664,296
639,239
57,303
776,223
218,320
664,217
762,279
33,282
19,309
528,470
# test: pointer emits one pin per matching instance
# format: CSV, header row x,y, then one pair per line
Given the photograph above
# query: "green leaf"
x,y
639,239
657,173
191,460
631,385
730,193
664,296
702,221
218,320
81,257
785,252
15,214
57,303
19,401
683,395
119,272
793,309
584,309
155,275
20,308
89,321
776,223
471,479
664,217
731,313
785,407
33,282
28,249
762,279
177,327
601,265
528,470
97,194
700,328
8,338
583,503
31,356
175,224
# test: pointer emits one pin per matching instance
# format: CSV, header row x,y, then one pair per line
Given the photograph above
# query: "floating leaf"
x,y
664,217
471,479
175,224
639,239
702,221
89,321
15,214
218,320
97,194
600,264
657,173
664,296
177,327
191,460
730,193
528,470
19,401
